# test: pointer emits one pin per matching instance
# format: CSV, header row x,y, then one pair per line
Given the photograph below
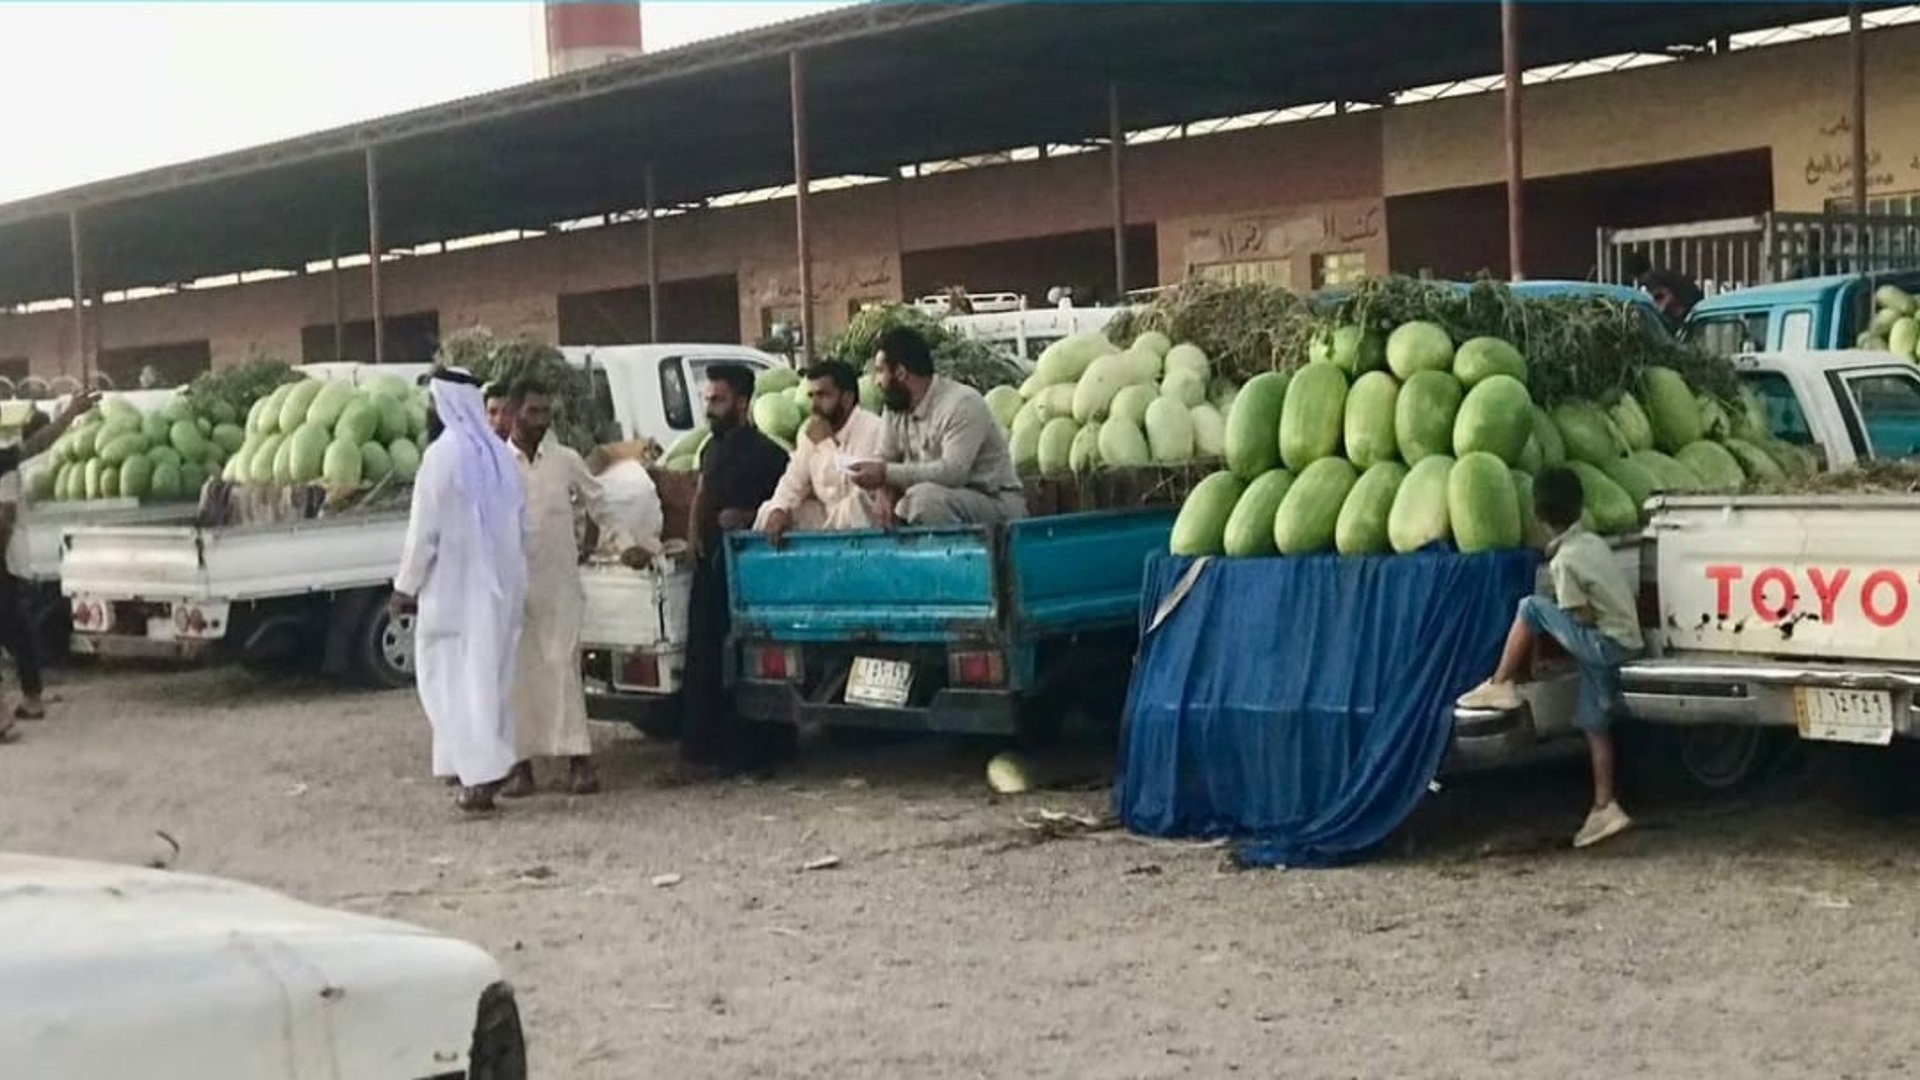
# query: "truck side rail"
x,y
1081,571
251,562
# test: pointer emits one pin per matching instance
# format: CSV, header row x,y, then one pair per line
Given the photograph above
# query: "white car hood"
x,y
106,969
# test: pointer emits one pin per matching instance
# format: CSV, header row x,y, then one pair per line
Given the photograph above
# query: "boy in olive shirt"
x,y
1592,616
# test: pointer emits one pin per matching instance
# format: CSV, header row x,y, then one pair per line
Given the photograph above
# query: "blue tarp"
x,y
1301,706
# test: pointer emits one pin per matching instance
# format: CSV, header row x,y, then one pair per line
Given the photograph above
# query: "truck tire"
x,y
380,650
1665,761
499,1050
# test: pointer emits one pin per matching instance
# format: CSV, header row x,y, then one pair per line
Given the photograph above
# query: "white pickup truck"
x,y
1766,614
116,971
318,588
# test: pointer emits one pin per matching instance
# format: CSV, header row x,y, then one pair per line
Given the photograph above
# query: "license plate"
x,y
1849,716
879,684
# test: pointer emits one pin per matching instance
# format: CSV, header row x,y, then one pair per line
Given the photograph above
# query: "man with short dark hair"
x,y
500,409
739,470
548,703
16,629
946,459
817,492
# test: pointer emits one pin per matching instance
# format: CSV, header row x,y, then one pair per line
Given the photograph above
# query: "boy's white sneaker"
x,y
1603,822
1490,695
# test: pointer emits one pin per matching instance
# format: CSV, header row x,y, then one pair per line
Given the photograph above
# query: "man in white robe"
x,y
464,571
549,703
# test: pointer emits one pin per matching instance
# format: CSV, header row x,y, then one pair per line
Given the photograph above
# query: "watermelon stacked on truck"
x,y
332,433
1390,434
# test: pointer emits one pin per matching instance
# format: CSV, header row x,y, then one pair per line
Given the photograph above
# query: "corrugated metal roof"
x,y
888,84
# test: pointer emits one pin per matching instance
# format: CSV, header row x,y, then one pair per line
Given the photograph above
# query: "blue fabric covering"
x,y
1301,706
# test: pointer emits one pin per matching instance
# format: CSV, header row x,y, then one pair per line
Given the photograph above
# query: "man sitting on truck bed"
x,y
816,491
946,459
1592,616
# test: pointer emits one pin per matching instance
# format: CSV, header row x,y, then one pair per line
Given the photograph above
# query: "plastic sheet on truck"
x,y
1301,706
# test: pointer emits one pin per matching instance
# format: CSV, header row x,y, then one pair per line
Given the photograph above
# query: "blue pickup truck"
x,y
975,630
1800,315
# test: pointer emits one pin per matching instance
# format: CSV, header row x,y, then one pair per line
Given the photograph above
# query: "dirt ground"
x,y
1769,937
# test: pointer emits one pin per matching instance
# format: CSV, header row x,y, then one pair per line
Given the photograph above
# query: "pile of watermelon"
x,y
328,432
1896,324
116,451
1090,404
1397,441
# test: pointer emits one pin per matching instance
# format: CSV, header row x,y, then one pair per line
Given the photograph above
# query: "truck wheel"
x,y
383,648
1725,757
499,1050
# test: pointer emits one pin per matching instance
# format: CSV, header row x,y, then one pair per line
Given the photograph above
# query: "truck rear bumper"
x,y
630,708
1755,694
130,647
960,712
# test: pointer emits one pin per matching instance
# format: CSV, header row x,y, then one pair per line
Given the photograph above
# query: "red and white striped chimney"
x,y
586,33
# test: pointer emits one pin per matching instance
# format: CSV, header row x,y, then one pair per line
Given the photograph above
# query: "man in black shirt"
x,y
739,469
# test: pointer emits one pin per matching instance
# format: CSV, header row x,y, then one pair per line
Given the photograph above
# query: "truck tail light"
x,y
776,663
189,621
976,668
640,670
89,615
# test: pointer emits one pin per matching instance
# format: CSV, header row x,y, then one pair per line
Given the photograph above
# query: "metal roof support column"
x,y
797,93
339,303
653,266
373,258
1857,45
1116,184
79,298
1516,202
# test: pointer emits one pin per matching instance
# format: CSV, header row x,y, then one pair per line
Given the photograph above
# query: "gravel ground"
x,y
1770,937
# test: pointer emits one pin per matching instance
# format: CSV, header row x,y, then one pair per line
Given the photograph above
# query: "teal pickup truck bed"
x,y
989,618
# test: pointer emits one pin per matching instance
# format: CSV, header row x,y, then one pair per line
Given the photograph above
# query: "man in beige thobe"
x,y
817,490
549,705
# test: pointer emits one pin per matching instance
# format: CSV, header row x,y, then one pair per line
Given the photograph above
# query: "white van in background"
x,y
653,391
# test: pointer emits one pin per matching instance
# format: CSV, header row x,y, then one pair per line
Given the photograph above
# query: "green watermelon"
x,y
1169,431
1419,514
341,466
1310,511
374,462
1483,356
1066,360
1357,351
1130,405
283,460
1482,506
1250,529
165,486
1496,418
90,472
136,477
1056,446
1638,481
1668,474
1670,408
1024,443
1368,433
1632,421
121,448
1606,502
186,438
229,437
1003,401
1585,431
293,409
1201,528
1122,445
1718,469
1253,424
360,420
1423,415
1084,455
406,459
1418,346
308,453
1715,422
1362,526
193,477
165,455
155,428
1311,417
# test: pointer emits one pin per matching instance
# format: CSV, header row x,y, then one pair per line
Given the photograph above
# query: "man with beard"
x,y
946,460
817,491
464,570
549,704
739,470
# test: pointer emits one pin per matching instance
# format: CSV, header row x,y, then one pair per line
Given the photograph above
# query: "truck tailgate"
x,y
1082,571
910,586
1795,576
628,608
249,562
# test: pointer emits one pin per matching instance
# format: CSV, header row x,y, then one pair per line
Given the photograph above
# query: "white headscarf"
x,y
485,476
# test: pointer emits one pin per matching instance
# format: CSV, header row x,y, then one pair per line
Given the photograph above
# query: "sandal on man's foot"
x,y
584,780
30,712
477,799
519,783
